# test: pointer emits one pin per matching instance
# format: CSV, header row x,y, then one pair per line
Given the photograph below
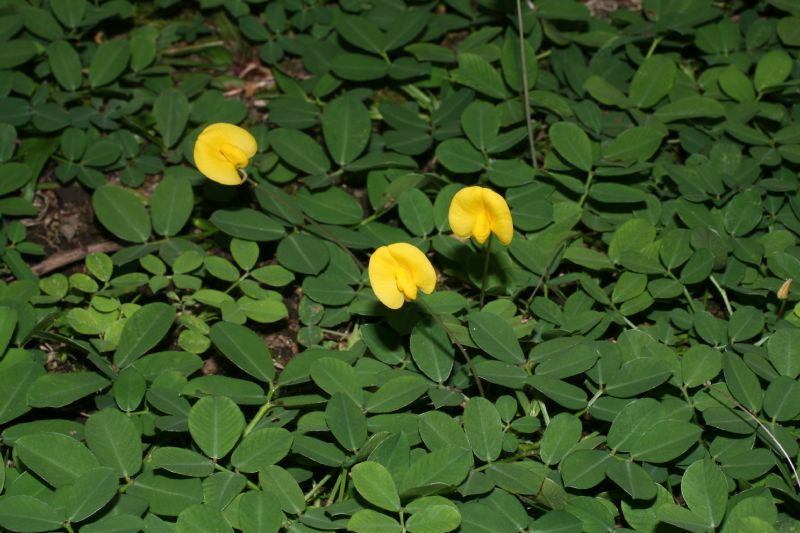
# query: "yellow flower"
x,y
396,272
477,212
221,150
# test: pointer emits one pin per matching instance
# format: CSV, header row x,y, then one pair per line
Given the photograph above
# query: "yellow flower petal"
x,y
396,272
416,264
221,150
499,214
383,278
465,207
477,212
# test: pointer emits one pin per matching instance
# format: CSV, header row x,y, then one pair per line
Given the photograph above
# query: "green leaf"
x,y
369,521
280,484
91,492
182,461
259,514
303,253
202,519
261,448
434,519
494,335
416,212
699,364
477,73
432,350
299,150
458,155
742,382
375,484
690,107
483,427
332,206
652,81
572,143
745,323
109,61
481,123
633,479
249,224
26,513
360,32
14,382
705,490
171,111
563,432
584,469
396,394
171,205
665,440
122,212
772,69
346,127
58,459
346,421
244,348
166,495
143,331
783,350
333,375
58,390
16,52
358,67
737,85
215,423
115,441
637,144
65,64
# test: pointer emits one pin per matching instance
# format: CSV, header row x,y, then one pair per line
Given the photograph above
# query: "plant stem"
x,y
262,410
460,346
724,295
486,261
769,433
585,194
525,93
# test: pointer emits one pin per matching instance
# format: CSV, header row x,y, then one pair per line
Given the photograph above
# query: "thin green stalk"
x,y
724,295
653,46
262,410
586,187
486,261
769,433
316,488
458,344
525,92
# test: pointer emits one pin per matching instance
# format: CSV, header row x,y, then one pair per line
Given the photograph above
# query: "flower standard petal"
x,y
221,150
383,278
499,214
416,264
466,206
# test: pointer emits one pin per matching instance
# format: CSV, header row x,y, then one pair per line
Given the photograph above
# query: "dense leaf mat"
x,y
227,366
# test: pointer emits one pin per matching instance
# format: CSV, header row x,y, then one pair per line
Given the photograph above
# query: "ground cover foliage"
x,y
636,360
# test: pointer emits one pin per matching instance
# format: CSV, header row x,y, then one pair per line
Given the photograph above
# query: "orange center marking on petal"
x,y
234,155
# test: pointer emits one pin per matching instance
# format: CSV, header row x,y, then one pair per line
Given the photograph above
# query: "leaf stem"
x,y
723,293
487,258
460,346
588,184
769,433
262,410
525,92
